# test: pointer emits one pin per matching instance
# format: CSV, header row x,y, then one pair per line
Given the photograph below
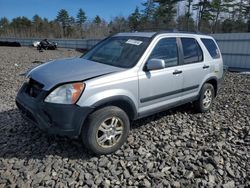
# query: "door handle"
x,y
205,67
177,72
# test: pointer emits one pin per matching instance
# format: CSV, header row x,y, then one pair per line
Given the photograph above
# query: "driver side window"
x,y
166,49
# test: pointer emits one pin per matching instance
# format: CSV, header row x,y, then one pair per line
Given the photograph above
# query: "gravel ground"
x,y
178,148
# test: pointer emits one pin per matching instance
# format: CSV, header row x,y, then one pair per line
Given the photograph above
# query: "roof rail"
x,y
179,31
160,31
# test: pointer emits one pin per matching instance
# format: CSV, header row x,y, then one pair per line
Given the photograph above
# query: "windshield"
x,y
118,51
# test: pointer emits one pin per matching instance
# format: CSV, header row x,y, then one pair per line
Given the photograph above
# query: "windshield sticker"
x,y
134,42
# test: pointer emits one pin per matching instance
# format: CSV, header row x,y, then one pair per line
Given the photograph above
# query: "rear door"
x,y
160,88
194,67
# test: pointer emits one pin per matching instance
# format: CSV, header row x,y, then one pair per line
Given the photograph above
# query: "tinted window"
x,y
118,51
166,49
211,47
191,51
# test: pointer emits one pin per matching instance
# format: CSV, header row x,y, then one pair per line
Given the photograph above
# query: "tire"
x,y
105,130
207,93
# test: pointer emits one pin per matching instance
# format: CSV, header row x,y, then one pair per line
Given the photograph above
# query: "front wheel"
x,y
205,101
106,130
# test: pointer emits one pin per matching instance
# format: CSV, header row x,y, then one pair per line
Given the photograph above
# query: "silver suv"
x,y
124,77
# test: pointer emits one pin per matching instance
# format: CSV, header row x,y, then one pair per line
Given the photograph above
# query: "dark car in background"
x,y
46,45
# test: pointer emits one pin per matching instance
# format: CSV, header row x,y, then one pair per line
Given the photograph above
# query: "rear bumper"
x,y
58,119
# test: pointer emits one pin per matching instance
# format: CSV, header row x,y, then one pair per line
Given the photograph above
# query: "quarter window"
x,y
166,49
191,51
211,48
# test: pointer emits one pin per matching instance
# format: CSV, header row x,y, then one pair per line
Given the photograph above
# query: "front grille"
x,y
34,88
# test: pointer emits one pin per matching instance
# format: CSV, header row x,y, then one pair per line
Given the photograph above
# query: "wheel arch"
x,y
121,101
214,82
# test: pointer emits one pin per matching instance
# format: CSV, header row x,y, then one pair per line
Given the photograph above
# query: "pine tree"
x,y
37,22
188,13
184,23
204,14
217,7
148,12
247,15
119,24
236,12
81,17
166,11
97,20
21,26
64,19
229,8
134,19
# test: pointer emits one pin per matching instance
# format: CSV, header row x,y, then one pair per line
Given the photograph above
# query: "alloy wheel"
x,y
109,132
207,99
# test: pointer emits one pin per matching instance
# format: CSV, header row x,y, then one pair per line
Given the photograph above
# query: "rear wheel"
x,y
205,101
106,130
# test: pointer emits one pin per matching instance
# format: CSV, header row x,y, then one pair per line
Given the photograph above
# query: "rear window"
x,y
191,50
211,47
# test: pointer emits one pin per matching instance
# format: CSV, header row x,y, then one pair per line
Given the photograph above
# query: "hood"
x,y
68,70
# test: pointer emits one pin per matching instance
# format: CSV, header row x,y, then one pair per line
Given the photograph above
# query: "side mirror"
x,y
155,64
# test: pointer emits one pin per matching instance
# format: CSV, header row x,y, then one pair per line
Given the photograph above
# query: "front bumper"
x,y
58,119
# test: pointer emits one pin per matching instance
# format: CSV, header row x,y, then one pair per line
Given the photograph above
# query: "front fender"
x,y
92,100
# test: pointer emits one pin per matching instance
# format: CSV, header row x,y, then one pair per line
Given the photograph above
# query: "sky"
x,y
106,9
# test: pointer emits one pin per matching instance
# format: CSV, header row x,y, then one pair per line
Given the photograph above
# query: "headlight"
x,y
66,94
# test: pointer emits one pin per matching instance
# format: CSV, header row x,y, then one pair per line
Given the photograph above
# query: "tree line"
x,y
208,16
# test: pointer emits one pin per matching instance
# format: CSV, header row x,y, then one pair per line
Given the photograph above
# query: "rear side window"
x,y
211,47
191,50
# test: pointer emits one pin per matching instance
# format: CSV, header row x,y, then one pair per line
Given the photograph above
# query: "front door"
x,y
160,88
